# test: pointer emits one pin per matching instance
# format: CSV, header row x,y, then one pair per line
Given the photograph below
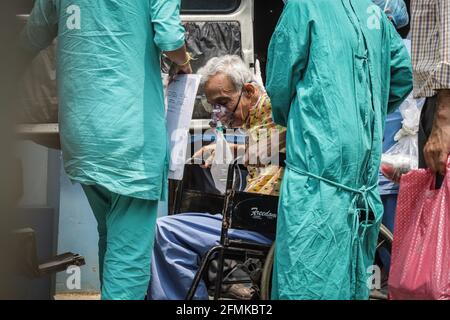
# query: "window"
x,y
209,6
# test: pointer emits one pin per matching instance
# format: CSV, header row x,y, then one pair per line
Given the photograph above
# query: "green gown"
x,y
335,68
111,105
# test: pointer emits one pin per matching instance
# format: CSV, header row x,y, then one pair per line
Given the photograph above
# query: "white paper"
x,y
180,100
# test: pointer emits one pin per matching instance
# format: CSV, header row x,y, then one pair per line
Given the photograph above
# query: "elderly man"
x,y
335,68
430,25
112,119
181,240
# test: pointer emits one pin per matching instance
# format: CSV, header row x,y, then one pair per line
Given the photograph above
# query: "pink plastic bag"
x,y
420,262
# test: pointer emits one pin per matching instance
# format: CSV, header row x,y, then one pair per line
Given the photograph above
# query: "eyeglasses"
x,y
221,112
223,108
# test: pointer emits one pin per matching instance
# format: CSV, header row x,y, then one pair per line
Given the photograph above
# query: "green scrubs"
x,y
126,228
111,111
111,105
335,68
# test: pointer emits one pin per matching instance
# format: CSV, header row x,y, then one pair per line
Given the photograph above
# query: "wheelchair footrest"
x,y
248,245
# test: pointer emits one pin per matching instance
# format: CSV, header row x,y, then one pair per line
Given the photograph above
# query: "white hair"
x,y
230,65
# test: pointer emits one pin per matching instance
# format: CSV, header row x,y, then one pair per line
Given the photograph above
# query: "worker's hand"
x,y
176,70
437,148
207,154
181,62
186,69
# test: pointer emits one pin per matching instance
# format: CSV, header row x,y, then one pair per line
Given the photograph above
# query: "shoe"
x,y
239,291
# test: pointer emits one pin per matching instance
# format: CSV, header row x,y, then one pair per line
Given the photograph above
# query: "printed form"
x,y
180,100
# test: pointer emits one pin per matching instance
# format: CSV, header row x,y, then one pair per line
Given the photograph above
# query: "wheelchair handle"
x,y
230,176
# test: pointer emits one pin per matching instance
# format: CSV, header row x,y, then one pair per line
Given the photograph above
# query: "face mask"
x,y
225,118
221,116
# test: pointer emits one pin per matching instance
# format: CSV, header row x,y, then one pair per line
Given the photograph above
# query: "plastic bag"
x,y
420,261
403,156
222,158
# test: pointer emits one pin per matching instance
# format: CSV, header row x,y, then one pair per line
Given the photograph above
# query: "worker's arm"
x,y
437,148
169,32
401,83
181,59
287,58
41,28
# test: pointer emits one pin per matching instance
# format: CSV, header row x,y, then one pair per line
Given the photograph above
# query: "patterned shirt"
x,y
430,25
261,129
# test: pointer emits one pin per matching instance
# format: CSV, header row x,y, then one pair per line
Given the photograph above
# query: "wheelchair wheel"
x,y
266,275
384,247
382,259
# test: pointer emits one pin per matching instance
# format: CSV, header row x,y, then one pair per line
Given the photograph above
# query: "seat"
x,y
194,195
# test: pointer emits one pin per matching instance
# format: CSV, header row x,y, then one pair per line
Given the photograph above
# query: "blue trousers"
x,y
181,241
390,204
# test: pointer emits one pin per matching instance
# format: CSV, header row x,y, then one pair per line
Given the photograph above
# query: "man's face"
x,y
219,90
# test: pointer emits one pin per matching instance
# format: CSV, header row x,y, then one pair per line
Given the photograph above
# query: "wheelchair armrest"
x,y
198,201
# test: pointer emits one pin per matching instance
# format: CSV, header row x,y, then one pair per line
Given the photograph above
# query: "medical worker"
x,y
335,68
112,119
395,10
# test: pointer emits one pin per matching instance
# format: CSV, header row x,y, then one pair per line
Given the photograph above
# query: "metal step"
x,y
61,263
27,257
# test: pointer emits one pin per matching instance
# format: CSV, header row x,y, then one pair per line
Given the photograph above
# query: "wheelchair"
x,y
250,212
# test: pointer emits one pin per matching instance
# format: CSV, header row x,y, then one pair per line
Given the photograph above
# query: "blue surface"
x,y
78,234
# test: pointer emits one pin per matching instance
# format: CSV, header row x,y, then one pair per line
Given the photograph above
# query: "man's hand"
x,y
206,154
437,148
